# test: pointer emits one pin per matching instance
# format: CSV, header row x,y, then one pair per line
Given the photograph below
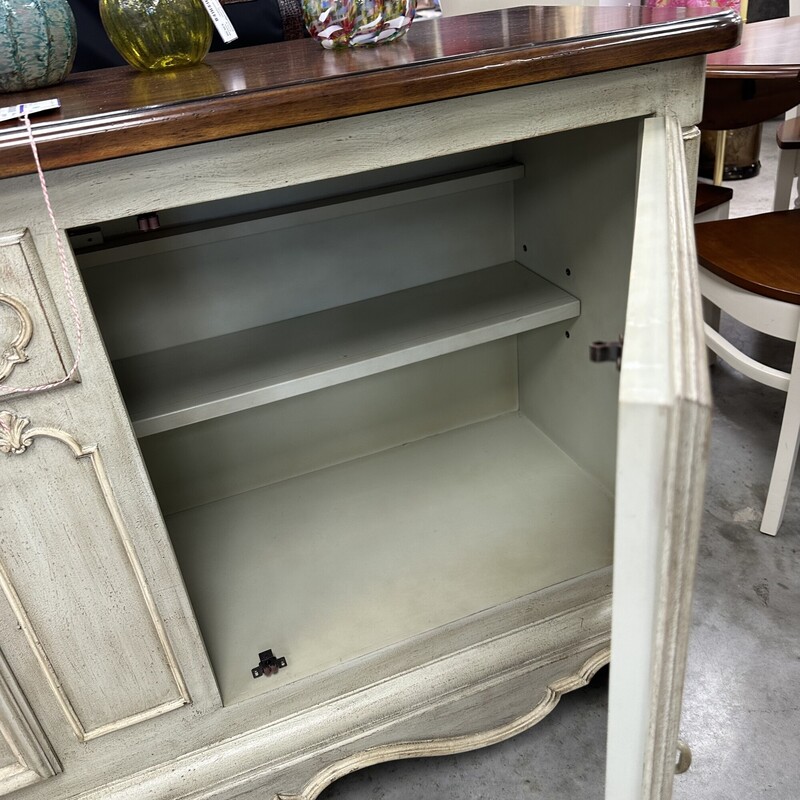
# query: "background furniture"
x,y
753,82
749,270
756,80
337,406
788,137
712,202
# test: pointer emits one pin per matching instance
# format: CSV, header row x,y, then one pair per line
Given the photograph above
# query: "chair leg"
x,y
786,455
719,157
787,167
711,315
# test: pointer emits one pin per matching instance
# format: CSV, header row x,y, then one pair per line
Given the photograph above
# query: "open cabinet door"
x,y
664,415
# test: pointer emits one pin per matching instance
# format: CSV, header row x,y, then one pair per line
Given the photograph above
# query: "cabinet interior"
x,y
366,404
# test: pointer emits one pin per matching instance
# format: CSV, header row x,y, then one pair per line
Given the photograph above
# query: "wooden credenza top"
x,y
120,112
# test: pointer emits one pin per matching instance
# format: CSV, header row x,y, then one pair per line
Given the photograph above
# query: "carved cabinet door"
x,y
25,753
71,574
664,419
32,347
88,642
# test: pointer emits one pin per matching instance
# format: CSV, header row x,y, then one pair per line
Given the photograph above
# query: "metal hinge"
x,y
268,664
606,351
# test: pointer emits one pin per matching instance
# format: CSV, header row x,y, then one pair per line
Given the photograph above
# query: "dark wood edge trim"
x,y
751,286
119,134
722,72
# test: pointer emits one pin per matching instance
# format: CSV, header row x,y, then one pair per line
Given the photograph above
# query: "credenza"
x,y
307,462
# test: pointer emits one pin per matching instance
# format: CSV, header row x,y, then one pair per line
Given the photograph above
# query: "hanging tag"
x,y
221,20
16,112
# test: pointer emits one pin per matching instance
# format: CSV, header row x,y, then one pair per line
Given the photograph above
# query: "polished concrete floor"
x,y
741,712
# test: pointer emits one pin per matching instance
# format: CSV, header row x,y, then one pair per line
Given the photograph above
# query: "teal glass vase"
x,y
37,43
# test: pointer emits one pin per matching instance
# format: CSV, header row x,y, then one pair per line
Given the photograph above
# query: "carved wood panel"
x,y
29,352
70,572
25,754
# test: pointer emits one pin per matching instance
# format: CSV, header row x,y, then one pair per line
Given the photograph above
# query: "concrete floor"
x,y
741,712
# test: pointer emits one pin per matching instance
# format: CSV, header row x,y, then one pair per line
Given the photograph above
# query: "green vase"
x,y
158,34
37,43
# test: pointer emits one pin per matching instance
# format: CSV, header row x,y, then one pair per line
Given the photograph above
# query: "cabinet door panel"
x,y
25,754
29,353
75,584
662,441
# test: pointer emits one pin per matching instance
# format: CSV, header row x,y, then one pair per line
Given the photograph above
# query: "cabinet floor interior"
x,y
340,562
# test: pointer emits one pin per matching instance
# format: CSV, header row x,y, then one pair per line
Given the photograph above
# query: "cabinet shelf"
x,y
342,561
190,383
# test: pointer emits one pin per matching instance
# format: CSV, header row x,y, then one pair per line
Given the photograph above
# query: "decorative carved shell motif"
x,y
12,436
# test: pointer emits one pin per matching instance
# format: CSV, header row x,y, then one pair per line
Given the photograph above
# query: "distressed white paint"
x,y
464,684
26,756
663,432
29,355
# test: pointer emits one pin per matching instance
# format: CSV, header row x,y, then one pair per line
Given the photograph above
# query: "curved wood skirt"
x,y
467,685
576,674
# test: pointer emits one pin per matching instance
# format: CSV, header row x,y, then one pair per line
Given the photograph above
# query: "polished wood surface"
x,y
710,196
730,104
769,49
760,253
119,112
757,80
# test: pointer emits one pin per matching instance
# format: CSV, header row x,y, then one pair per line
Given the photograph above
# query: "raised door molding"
x,y
13,351
664,420
29,350
97,634
25,754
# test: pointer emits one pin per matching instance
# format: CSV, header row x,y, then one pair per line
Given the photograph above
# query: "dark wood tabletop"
x,y
769,49
119,112
757,80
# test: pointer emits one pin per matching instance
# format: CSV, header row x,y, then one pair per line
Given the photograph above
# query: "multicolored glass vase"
x,y
356,23
37,43
158,34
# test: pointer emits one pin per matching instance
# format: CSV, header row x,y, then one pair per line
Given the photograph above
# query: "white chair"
x,y
750,269
788,140
788,137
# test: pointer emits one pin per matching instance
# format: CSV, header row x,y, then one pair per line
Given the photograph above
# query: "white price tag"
x,y
16,112
221,20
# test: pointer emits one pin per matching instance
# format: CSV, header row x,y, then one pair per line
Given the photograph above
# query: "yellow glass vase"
x,y
158,34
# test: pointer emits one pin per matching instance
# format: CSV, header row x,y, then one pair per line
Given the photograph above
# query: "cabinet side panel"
x,y
574,216
97,639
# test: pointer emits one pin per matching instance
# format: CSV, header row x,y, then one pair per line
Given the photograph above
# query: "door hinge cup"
x,y
606,351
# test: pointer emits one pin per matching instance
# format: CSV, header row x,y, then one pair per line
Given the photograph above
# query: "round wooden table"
x,y
748,84
757,80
